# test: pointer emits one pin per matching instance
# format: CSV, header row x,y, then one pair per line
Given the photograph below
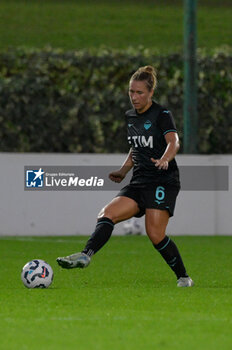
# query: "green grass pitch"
x,y
78,24
126,299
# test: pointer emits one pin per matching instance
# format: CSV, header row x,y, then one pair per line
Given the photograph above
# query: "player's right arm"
x,y
119,175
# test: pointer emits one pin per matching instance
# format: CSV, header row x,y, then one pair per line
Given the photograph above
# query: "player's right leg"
x,y
119,209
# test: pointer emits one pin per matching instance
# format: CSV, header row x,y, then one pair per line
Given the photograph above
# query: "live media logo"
x,y
95,178
35,178
49,178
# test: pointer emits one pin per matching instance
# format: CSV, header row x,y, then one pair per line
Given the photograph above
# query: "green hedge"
x,y
56,101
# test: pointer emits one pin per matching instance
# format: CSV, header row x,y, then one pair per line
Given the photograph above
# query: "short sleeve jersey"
x,y
146,136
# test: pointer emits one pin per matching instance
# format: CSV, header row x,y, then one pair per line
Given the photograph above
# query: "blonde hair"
x,y
147,74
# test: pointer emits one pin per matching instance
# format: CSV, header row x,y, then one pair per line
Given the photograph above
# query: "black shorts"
x,y
152,196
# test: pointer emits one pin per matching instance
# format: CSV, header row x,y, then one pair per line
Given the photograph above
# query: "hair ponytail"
x,y
148,74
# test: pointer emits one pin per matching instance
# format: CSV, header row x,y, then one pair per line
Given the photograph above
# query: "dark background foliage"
x,y
56,101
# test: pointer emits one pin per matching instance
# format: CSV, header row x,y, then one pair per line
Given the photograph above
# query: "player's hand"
x,y
160,163
116,176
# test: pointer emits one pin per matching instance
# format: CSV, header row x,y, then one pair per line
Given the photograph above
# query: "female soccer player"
x,y
154,185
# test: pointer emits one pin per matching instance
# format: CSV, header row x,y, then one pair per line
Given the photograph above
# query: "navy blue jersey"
x,y
146,136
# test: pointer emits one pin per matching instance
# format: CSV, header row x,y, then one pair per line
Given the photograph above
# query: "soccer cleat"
x,y
80,260
185,282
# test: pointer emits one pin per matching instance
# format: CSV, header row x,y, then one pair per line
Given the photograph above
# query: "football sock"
x,y
171,255
99,237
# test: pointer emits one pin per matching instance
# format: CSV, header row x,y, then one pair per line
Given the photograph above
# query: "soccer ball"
x,y
132,227
37,274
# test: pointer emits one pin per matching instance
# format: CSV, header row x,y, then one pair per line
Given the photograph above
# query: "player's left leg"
x,y
119,209
156,222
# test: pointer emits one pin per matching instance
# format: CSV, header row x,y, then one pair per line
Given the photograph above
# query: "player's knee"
x,y
106,213
156,238
156,234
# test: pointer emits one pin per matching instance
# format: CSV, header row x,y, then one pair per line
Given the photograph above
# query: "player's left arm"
x,y
171,150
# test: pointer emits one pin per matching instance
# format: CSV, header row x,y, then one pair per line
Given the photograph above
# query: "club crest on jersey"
x,y
147,124
141,141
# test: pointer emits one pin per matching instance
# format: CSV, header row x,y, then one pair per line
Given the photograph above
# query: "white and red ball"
x,y
37,274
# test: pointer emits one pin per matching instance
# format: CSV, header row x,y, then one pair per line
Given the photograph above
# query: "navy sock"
x,y
99,237
171,255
